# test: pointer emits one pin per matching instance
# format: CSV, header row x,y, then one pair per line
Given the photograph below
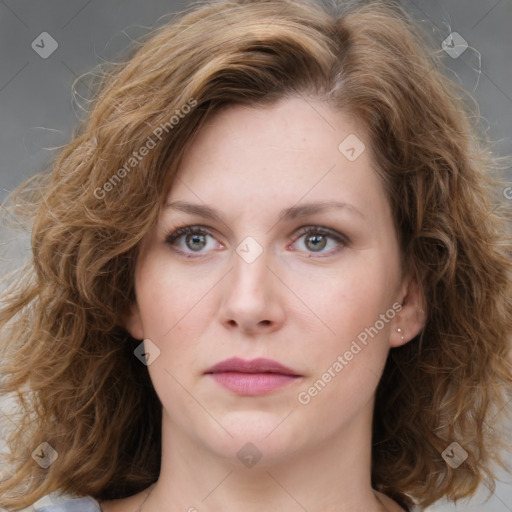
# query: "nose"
x,y
252,298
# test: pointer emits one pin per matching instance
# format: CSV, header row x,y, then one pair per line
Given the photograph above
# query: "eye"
x,y
196,240
315,239
191,239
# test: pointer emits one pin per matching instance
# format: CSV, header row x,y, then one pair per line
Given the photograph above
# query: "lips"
x,y
252,378
260,365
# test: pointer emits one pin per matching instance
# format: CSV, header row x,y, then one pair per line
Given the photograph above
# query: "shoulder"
x,y
64,502
393,506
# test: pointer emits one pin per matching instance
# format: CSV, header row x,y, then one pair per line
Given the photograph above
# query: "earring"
x,y
400,332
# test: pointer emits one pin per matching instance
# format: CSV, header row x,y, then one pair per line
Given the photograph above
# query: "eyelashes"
x,y
317,238
321,235
197,234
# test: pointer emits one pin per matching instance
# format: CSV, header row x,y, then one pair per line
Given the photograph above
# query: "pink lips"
x,y
251,378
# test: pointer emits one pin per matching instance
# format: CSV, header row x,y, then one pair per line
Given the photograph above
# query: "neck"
x,y
333,476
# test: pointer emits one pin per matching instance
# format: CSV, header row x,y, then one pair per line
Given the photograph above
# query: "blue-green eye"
x,y
315,242
197,240
316,239
190,238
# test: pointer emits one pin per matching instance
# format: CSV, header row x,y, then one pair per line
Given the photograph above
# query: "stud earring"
x,y
400,332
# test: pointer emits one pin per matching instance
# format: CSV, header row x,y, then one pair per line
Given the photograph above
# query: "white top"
x,y
66,502
63,502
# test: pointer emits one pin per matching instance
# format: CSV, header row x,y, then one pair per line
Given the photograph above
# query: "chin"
x,y
263,436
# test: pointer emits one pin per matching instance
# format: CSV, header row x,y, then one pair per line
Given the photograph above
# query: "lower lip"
x,y
252,384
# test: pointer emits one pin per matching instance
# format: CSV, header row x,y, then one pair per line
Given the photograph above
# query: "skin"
x,y
298,303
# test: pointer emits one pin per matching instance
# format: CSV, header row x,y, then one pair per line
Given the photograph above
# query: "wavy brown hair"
x,y
70,364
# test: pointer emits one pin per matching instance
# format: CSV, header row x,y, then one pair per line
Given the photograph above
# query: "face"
x,y
275,243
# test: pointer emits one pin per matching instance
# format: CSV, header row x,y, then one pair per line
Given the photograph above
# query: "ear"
x,y
131,321
412,316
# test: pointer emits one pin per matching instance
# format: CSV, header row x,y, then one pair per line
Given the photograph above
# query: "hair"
x,y
70,365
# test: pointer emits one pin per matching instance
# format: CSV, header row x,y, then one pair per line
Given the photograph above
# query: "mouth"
x,y
252,378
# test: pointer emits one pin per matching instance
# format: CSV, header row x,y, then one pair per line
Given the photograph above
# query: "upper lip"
x,y
260,365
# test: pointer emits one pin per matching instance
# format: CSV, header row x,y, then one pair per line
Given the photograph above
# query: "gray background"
x,y
37,112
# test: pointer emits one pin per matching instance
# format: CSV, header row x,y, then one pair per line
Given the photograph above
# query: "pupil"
x,y
318,241
195,239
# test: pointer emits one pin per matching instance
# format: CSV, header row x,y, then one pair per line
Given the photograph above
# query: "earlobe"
x,y
412,317
132,321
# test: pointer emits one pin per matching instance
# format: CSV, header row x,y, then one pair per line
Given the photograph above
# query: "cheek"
x,y
173,315
349,361
350,306
176,308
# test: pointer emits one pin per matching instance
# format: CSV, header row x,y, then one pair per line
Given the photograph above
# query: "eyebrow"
x,y
286,214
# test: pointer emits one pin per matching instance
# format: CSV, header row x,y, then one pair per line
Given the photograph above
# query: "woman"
x,y
267,273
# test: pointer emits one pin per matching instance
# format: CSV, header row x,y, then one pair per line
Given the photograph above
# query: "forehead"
x,y
294,150
294,126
